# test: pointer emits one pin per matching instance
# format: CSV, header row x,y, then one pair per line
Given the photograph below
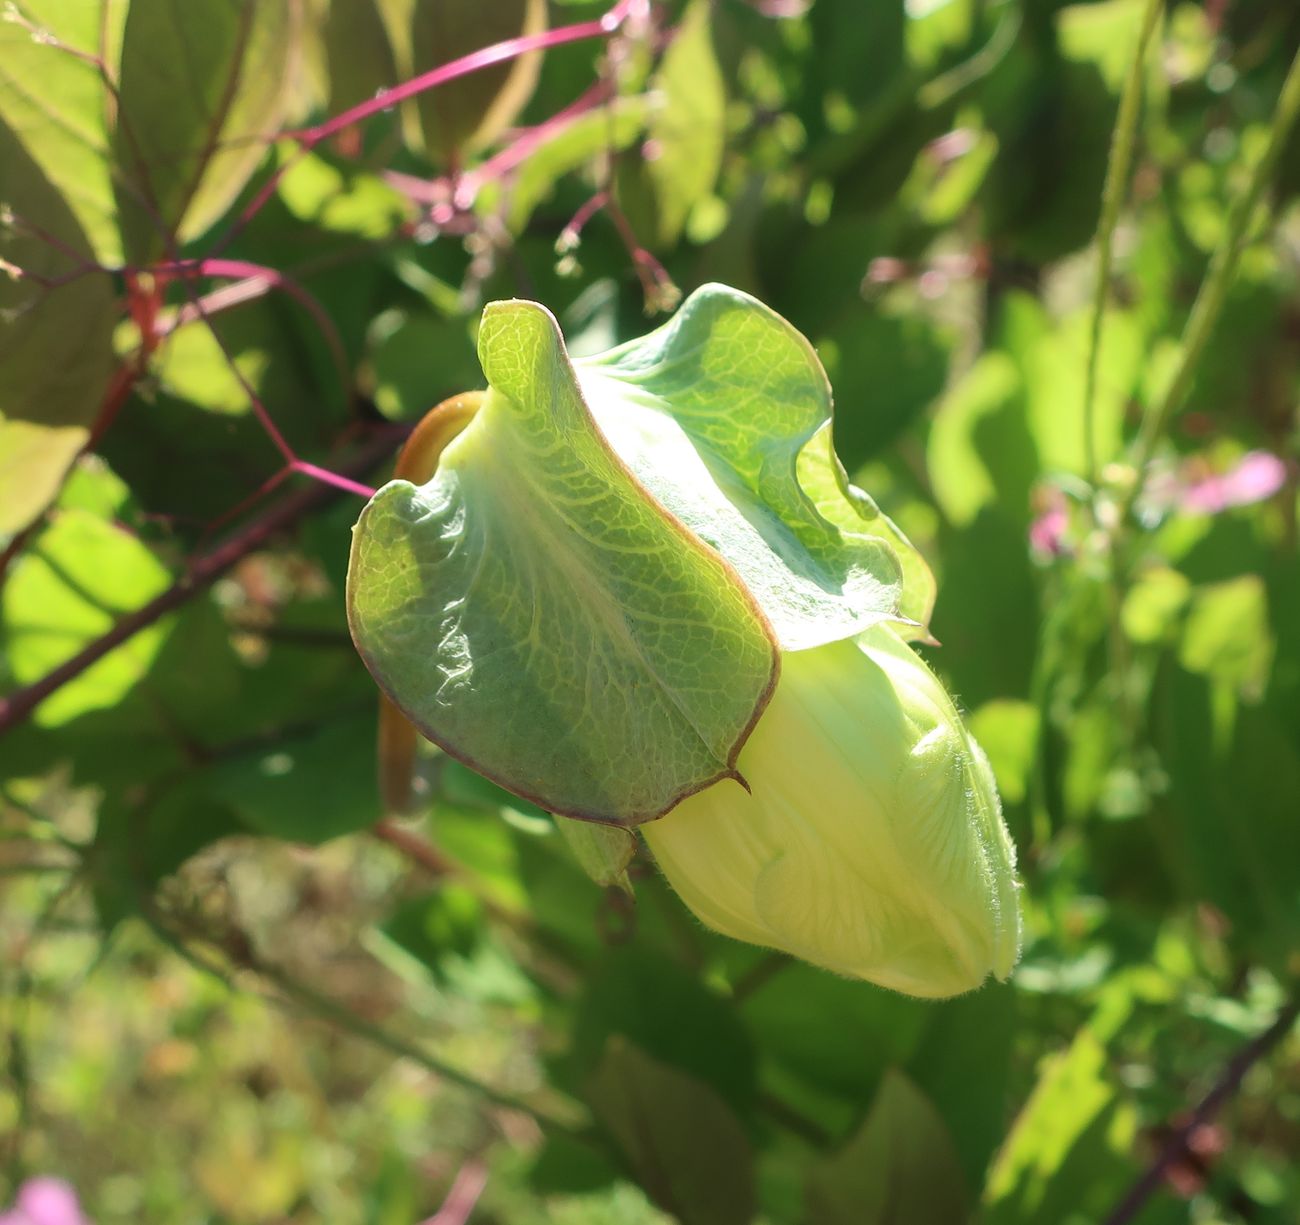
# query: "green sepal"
x,y
534,612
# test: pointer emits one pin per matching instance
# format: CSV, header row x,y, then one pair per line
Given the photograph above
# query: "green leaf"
x,y
611,128
308,788
1227,634
899,1168
55,340
689,130
72,584
468,112
603,852
353,202
1007,731
1068,1155
534,613
53,99
203,91
681,1141
873,1028
724,416
978,451
670,1015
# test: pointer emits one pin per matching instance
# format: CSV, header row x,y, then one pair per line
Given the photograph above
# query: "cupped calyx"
x,y
639,590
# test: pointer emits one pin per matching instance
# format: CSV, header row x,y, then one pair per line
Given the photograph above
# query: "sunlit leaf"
x,y
1068,1155
687,130
899,1167
531,548
72,584
469,111
56,105
203,91
55,340
723,414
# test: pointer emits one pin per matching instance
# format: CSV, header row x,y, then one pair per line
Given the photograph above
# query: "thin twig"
x,y
415,848
1118,166
200,573
1214,289
1176,1148
511,48
468,1185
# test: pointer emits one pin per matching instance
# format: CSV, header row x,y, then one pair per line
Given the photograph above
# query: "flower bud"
x,y
871,841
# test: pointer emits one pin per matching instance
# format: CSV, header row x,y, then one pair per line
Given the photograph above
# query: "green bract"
x,y
592,598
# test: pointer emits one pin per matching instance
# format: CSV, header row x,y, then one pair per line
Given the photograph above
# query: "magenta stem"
x,y
199,574
475,61
326,477
244,270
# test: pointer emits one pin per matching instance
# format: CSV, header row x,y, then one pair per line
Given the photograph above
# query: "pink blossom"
x,y
1047,532
1258,475
45,1201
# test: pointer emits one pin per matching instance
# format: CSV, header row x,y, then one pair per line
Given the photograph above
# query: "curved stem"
x,y
1112,198
1228,1083
1214,289
201,572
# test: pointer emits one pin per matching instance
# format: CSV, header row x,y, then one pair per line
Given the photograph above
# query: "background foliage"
x,y
235,991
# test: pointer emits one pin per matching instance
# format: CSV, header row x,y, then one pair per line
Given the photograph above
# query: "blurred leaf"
x,y
139,843
306,788
407,382
1227,828
964,1064
873,1028
979,451
1007,731
1068,1155
610,128
566,1166
55,342
350,201
203,91
886,370
667,1013
899,1168
192,366
1154,604
687,130
472,110
684,1145
359,59
1056,411
52,100
1227,634
72,584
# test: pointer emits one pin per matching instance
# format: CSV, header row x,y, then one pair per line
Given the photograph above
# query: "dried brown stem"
x,y
1177,1146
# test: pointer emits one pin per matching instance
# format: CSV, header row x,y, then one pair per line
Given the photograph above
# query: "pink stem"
x,y
325,476
259,409
273,278
470,1180
526,143
200,572
475,61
